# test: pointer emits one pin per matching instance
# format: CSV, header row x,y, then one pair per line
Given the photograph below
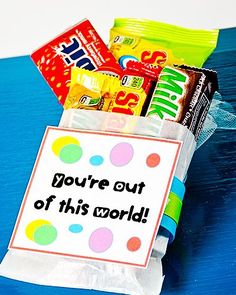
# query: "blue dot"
x,y
75,228
96,160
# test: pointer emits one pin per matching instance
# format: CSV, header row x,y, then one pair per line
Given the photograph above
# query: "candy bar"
x,y
183,95
160,44
80,46
96,91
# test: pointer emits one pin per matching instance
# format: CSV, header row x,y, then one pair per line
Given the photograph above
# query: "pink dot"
x,y
153,160
101,240
121,154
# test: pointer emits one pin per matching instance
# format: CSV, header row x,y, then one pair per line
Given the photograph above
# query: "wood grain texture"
x,y
202,260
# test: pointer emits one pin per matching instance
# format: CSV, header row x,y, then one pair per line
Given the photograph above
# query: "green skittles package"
x,y
160,44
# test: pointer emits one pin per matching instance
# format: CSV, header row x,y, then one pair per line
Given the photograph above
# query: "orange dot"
x,y
66,73
48,55
153,160
58,85
133,244
54,68
53,78
47,68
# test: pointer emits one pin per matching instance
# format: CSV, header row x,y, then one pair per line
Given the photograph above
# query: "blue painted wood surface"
x,y
202,260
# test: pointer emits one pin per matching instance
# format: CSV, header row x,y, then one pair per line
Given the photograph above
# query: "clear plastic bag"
x,y
66,272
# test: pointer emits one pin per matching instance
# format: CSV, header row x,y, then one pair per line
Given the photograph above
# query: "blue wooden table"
x,y
202,260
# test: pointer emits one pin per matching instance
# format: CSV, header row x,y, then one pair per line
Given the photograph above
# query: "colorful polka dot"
x,y
68,149
41,232
45,235
121,154
134,244
70,153
76,228
101,240
33,226
96,160
153,160
60,142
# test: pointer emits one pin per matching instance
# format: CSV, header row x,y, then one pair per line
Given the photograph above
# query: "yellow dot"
x,y
68,84
54,68
48,55
60,142
58,85
66,73
53,78
32,227
60,97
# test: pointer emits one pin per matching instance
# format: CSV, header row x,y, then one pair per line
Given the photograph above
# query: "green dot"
x,y
45,234
70,153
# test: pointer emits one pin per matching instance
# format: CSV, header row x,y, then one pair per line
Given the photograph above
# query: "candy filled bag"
x,y
127,39
66,272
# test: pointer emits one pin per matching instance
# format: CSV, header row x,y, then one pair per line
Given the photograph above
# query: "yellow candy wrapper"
x,y
96,91
160,44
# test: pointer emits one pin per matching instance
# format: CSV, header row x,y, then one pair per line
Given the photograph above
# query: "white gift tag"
x,y
96,195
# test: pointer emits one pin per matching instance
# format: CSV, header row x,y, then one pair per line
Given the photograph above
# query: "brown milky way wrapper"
x,y
183,94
